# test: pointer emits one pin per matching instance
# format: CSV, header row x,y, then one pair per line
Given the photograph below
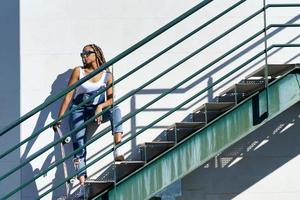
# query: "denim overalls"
x,y
82,114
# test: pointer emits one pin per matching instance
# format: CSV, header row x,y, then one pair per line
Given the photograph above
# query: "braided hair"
x,y
99,54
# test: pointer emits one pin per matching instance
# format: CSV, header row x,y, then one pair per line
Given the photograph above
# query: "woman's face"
x,y
88,55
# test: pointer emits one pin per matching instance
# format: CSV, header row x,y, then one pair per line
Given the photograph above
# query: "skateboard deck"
x,y
68,184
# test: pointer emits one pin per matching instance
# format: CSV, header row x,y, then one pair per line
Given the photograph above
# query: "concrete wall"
x,y
53,33
9,90
263,165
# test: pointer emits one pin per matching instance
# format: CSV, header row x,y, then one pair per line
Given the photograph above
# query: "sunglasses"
x,y
86,53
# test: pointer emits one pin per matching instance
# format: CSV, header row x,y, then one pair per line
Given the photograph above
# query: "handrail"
x,y
106,65
288,5
36,133
165,115
233,71
178,85
120,100
36,154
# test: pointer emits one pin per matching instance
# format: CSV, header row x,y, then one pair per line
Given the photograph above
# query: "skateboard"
x,y
69,183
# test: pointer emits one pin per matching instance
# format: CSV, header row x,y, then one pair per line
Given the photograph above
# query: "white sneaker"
x,y
119,158
118,155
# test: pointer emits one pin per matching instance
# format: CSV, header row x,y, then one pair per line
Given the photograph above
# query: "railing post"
x,y
266,55
115,147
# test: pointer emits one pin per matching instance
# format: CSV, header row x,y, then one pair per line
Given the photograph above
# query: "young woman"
x,y
92,58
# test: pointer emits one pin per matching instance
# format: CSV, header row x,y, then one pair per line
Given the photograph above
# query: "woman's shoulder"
x,y
76,71
78,68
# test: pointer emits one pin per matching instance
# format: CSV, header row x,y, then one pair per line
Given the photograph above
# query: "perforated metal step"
x,y
274,70
209,111
179,131
233,98
94,187
125,168
244,88
150,150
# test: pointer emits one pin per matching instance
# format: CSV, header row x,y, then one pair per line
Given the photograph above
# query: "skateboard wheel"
x,y
72,180
68,140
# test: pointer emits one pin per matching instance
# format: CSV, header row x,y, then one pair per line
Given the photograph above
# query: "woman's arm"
x,y
65,104
109,99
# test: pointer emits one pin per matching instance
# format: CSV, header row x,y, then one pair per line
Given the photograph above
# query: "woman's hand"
x,y
57,125
99,118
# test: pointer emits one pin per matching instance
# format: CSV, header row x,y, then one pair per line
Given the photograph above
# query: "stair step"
x,y
94,187
274,70
253,81
244,88
125,168
179,131
209,111
150,150
216,106
229,98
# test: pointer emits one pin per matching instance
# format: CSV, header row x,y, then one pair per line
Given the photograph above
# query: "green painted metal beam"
x,y
208,142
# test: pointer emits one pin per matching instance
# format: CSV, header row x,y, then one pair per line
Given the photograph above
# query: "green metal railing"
x,y
128,95
117,58
106,65
123,77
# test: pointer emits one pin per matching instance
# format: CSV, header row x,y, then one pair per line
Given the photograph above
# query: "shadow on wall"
x,y
60,84
247,162
28,172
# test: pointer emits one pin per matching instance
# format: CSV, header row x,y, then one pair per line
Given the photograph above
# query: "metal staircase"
x,y
214,127
211,128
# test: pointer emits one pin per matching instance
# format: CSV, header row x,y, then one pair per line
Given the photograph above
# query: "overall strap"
x,y
81,72
106,76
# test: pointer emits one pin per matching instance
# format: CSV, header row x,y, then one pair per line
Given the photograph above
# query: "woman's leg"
x,y
118,137
79,139
114,116
117,130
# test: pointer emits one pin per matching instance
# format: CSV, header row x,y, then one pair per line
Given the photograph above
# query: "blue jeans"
x,y
78,117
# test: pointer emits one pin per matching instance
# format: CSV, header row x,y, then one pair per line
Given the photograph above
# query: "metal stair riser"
x,y
183,159
95,188
177,134
125,168
239,91
230,98
206,116
205,144
150,150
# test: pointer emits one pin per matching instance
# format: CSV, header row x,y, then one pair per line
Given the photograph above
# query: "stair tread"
x,y
96,187
124,169
215,106
156,143
129,162
243,87
187,125
159,142
273,70
99,182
